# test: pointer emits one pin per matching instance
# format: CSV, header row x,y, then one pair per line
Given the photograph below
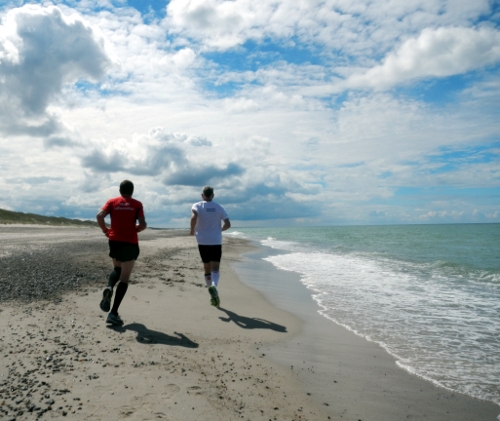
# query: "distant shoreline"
x,y
11,218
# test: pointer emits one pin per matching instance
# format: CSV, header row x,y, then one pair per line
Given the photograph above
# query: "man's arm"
x,y
194,218
100,220
227,224
141,226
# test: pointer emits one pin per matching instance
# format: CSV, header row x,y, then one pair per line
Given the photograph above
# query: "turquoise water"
x,y
429,294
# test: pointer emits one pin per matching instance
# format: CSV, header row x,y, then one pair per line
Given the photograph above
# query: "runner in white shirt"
x,y
208,220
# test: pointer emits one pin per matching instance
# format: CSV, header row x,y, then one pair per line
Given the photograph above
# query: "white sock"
x,y
215,277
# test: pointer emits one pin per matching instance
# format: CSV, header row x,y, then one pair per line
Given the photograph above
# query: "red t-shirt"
x,y
124,212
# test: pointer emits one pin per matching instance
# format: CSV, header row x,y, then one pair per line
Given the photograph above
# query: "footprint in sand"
x,y
127,411
171,390
196,389
146,410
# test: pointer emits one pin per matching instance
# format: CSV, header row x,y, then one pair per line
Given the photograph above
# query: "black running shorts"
x,y
122,251
210,253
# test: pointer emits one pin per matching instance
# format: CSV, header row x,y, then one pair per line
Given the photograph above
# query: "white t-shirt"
x,y
208,225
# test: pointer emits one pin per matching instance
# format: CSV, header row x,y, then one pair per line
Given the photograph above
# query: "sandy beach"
x,y
177,357
354,379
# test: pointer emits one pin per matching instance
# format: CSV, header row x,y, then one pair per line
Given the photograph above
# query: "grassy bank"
x,y
9,217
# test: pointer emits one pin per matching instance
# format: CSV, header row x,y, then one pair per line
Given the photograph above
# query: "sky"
x,y
297,112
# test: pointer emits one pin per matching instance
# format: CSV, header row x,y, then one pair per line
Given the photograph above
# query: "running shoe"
x,y
215,301
106,299
114,319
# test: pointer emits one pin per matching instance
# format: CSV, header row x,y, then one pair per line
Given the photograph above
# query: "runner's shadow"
x,y
148,336
250,322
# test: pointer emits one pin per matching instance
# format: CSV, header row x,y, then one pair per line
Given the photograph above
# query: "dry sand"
x,y
177,357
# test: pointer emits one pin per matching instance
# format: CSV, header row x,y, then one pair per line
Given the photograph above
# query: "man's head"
x,y
208,193
126,188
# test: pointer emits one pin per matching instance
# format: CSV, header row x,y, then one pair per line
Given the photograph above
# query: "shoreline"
x,y
353,377
177,357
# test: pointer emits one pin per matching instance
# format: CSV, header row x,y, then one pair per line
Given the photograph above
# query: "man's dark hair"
x,y
208,192
127,187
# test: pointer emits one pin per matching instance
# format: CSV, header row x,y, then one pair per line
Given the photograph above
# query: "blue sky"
x,y
298,113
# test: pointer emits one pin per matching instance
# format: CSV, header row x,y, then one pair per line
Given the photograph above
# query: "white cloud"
x,y
222,24
435,53
356,28
240,105
184,57
42,50
184,103
174,158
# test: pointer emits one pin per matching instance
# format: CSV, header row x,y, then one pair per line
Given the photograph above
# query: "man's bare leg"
x,y
212,268
113,279
126,270
208,273
114,276
122,287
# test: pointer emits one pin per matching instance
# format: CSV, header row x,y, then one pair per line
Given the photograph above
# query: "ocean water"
x,y
428,294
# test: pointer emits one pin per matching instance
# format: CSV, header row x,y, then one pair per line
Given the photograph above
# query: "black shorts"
x,y
122,251
210,253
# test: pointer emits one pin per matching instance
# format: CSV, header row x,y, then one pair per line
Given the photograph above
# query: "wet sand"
x,y
353,379
177,357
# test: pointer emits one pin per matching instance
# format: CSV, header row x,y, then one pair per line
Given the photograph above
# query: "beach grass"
x,y
10,217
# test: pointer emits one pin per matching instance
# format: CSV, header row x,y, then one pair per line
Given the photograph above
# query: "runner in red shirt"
x,y
123,244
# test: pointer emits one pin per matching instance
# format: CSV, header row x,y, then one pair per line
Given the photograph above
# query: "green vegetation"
x,y
9,217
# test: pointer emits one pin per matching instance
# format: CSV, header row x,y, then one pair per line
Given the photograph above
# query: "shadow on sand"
x,y
148,336
250,322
